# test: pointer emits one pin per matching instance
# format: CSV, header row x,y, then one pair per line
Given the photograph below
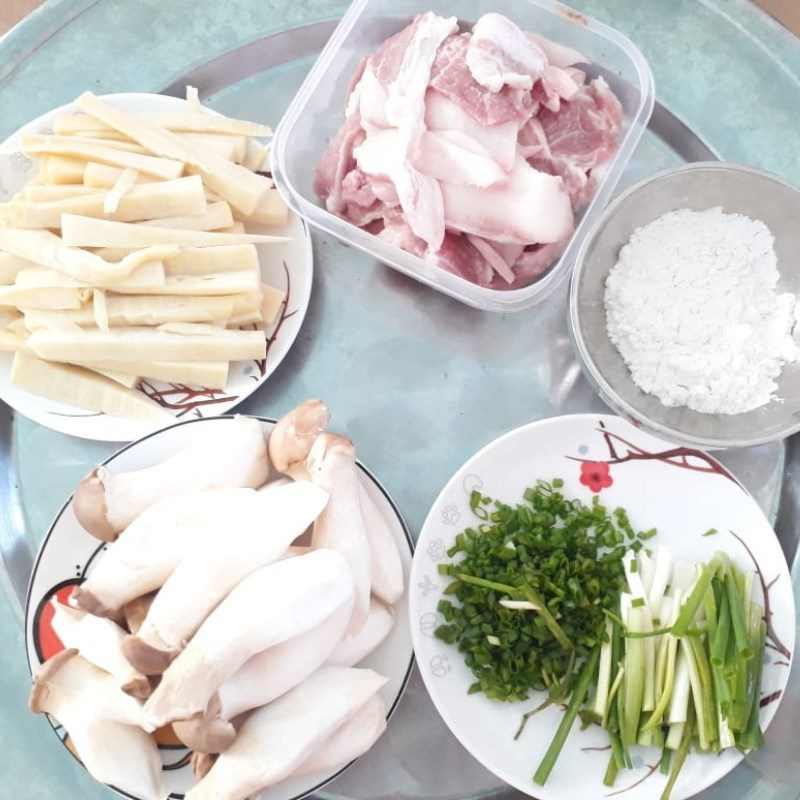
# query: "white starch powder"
x,y
692,307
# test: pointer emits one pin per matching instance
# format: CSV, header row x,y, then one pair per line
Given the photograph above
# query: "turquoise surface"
x,y
724,67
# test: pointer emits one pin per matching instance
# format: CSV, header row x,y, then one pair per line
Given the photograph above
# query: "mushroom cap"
x,y
325,446
89,505
134,613
87,601
201,764
146,658
205,735
42,677
140,688
292,437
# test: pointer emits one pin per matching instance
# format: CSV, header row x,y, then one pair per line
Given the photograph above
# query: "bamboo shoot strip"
x,y
75,386
171,120
575,702
87,232
242,188
202,260
164,168
209,374
216,215
45,248
128,344
152,201
224,283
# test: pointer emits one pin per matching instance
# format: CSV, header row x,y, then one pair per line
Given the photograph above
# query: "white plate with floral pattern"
x,y
69,553
287,266
680,491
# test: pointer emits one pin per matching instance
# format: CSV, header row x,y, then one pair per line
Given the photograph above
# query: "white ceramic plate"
x,y
68,554
287,266
683,493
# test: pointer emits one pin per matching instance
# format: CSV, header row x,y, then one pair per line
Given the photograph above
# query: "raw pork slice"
x,y
500,54
336,162
451,77
532,207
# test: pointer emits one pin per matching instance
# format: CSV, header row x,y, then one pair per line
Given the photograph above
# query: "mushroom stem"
x,y
349,741
355,647
331,464
298,593
260,528
230,453
99,641
293,435
152,546
276,739
387,567
136,610
112,751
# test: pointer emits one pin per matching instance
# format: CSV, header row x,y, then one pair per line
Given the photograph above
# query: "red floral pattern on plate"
x,y
596,475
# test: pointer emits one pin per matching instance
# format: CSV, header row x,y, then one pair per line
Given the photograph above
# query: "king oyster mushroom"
x,y
261,679
136,610
293,435
355,647
99,641
273,604
289,446
276,739
223,455
349,741
151,547
101,722
331,464
259,530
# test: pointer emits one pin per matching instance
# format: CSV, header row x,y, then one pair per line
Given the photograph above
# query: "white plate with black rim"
x,y
68,555
287,266
680,491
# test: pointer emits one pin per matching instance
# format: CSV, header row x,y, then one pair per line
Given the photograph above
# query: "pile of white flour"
x,y
692,307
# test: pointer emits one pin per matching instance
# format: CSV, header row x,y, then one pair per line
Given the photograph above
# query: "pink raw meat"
x,y
383,155
532,207
337,161
586,128
400,235
454,157
458,256
532,140
500,54
531,264
442,114
493,257
451,77
559,55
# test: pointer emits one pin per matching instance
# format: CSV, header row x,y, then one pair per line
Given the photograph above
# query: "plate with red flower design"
x,y
681,492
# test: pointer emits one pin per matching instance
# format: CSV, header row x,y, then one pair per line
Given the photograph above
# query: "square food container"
x,y
317,112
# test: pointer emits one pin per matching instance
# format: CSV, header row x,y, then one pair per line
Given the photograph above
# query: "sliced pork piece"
x,y
458,256
259,530
331,464
454,157
451,77
559,55
556,84
493,257
223,455
532,207
383,155
336,162
275,740
274,604
151,547
533,262
585,131
500,54
442,114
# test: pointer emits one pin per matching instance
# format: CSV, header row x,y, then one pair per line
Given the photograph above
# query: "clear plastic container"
x,y
317,111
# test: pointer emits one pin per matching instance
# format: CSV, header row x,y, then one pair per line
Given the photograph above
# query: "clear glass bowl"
x,y
317,111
